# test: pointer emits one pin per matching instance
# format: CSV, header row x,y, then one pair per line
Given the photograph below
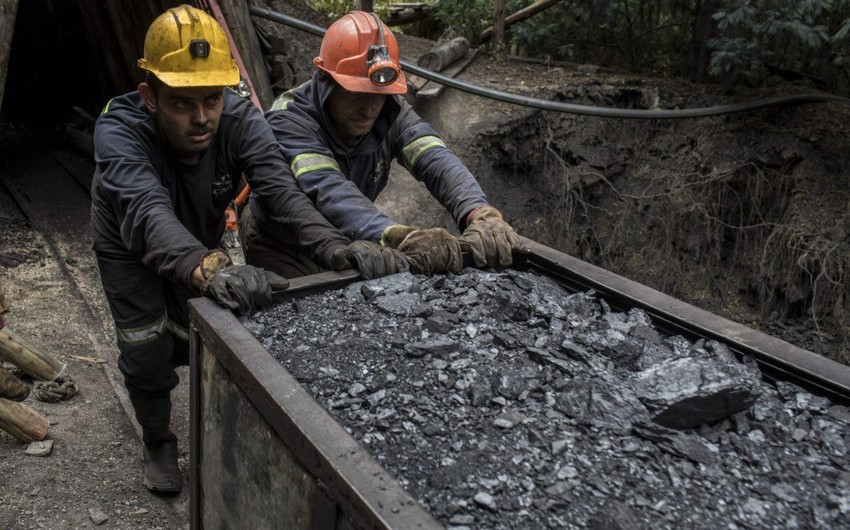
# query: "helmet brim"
x,y
354,83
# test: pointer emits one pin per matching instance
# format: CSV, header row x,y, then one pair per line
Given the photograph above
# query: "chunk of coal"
x,y
538,408
686,392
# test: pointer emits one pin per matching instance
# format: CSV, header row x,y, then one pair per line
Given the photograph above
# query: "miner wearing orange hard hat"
x,y
341,130
169,160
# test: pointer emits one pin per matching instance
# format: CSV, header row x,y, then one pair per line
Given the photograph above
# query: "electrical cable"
x,y
585,110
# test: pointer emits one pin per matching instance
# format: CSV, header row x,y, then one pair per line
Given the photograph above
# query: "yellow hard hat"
x,y
185,47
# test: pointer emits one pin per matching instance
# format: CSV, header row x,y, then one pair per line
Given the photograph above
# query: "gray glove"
x,y
429,251
489,238
243,288
374,261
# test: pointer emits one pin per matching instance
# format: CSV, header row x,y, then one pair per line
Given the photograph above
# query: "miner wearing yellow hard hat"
x,y
169,160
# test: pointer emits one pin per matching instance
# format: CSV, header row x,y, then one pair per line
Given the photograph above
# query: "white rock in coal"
x,y
686,392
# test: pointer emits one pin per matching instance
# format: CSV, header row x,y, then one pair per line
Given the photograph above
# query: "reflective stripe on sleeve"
x,y
140,335
306,162
412,151
282,101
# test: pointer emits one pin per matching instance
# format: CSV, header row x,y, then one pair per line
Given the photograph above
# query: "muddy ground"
x,y
744,215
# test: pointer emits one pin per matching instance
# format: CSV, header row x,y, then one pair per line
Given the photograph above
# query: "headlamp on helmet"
x,y
380,68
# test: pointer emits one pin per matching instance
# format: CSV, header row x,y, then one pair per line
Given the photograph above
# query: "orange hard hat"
x,y
361,54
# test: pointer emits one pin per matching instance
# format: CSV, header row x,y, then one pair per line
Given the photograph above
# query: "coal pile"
x,y
501,401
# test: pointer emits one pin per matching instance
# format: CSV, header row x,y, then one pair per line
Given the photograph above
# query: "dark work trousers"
x,y
264,251
151,322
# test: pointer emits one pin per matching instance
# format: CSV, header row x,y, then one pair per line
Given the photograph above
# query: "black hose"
x,y
601,112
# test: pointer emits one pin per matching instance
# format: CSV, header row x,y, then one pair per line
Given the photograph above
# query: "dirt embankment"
x,y
745,215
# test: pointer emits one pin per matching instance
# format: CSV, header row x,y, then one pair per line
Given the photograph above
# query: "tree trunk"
x,y
8,9
498,40
699,55
28,358
22,422
363,5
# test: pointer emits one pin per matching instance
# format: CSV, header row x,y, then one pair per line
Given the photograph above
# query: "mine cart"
x,y
266,454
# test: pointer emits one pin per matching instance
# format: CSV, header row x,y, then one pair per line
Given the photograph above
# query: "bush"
x,y
791,39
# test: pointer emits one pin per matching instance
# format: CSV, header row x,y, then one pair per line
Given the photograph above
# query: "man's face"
x,y
354,113
189,117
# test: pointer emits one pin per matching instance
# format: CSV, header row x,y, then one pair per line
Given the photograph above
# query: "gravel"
x,y
499,400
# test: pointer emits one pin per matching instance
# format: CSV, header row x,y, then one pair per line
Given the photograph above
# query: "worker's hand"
x,y
429,251
374,261
335,258
488,238
243,288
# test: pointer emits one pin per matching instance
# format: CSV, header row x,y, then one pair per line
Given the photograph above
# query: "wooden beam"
x,y
22,422
520,15
8,11
443,55
241,28
29,358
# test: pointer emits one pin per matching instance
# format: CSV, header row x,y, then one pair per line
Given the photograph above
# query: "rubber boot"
x,y
162,474
11,387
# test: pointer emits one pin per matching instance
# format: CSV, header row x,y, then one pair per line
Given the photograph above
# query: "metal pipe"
x,y
585,110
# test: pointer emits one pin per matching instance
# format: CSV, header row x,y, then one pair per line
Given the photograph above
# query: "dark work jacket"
x,y
148,205
344,183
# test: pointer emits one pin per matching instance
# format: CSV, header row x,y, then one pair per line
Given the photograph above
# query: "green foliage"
x,y
641,35
336,8
469,18
791,38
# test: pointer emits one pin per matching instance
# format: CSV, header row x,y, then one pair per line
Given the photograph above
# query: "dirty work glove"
x,y
488,238
429,251
374,261
240,288
334,257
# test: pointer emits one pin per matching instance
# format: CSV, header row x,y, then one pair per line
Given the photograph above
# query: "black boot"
x,y
162,475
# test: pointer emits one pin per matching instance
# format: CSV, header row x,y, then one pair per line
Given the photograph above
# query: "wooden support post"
x,y
498,25
522,14
28,358
363,5
8,10
241,28
22,422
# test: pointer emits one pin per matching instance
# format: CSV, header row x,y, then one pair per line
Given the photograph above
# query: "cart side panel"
x,y
254,480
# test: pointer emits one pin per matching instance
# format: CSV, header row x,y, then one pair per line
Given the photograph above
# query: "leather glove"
x,y
335,258
488,238
429,251
240,288
374,261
